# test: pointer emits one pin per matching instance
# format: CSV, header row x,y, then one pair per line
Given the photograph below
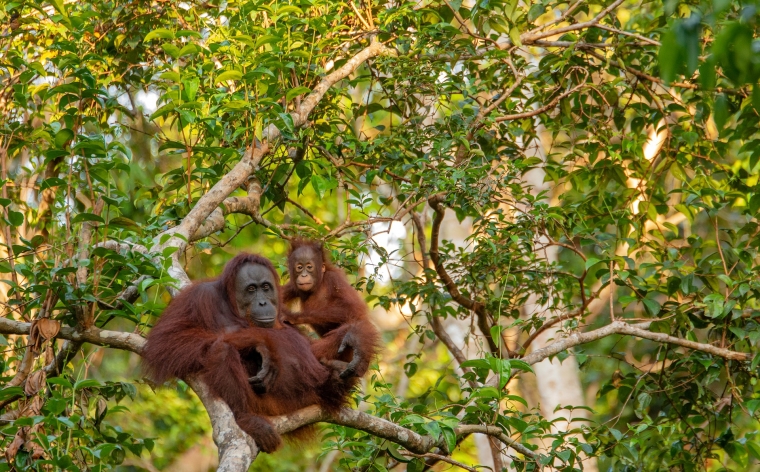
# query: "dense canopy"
x,y
550,207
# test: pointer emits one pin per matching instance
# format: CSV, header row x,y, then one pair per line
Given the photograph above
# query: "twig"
x,y
496,432
539,110
359,15
640,331
441,458
628,33
528,37
548,324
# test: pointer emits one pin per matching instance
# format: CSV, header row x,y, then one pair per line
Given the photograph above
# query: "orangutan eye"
x,y
251,288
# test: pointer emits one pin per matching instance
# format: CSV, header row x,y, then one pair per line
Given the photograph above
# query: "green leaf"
x,y
707,73
721,111
416,465
591,261
161,33
163,111
63,382
394,453
292,93
450,437
669,56
62,137
652,306
188,49
171,50
87,217
52,182
535,11
236,104
476,363
15,218
228,75
60,7
754,449
519,364
11,392
170,75
266,39
86,383
514,35
191,87
245,39
126,223
289,9
319,184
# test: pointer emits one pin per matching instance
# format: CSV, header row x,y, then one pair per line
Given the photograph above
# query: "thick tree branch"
x,y
379,427
414,442
237,450
93,335
248,205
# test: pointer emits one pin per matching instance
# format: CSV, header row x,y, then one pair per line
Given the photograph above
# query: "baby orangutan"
x,y
331,306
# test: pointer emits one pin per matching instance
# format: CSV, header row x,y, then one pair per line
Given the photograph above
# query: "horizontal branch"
x,y
496,432
101,337
414,442
639,330
417,443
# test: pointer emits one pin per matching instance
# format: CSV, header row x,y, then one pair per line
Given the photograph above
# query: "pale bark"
x,y
557,383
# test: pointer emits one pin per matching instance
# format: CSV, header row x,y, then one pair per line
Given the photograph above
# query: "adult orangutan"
x,y
331,306
227,331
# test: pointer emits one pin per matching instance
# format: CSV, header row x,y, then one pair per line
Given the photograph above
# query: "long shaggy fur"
x,y
201,332
333,309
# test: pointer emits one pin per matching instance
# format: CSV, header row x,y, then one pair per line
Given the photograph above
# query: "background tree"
x,y
526,193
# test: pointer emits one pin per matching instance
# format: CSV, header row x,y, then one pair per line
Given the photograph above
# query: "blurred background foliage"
x,y
527,154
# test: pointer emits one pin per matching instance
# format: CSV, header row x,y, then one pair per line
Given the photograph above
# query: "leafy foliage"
x,y
602,158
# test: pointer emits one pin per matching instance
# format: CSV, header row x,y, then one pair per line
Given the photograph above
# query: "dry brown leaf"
x,y
35,382
41,330
32,407
49,328
33,447
16,444
84,401
35,338
102,407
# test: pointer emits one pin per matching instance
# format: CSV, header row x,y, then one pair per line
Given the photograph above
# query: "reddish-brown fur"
x,y
201,333
333,309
